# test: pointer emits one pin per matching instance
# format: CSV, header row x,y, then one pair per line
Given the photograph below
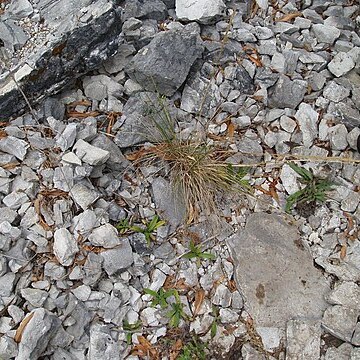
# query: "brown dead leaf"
x,y
10,166
288,17
81,115
172,283
343,251
79,102
137,155
37,207
53,193
231,130
175,349
231,284
3,134
256,60
21,328
199,299
145,349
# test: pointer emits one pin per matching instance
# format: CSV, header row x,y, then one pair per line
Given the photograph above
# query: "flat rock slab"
x,y
79,36
275,273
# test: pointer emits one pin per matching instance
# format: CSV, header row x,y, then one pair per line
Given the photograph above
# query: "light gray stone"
x,y
340,321
83,196
346,293
67,138
335,92
326,33
37,334
105,236
8,348
99,87
82,292
35,297
118,259
14,146
157,67
303,339
203,11
65,246
307,118
341,64
338,137
348,113
169,202
102,345
64,178
90,154
286,93
7,283
19,9
350,202
273,300
15,200
343,352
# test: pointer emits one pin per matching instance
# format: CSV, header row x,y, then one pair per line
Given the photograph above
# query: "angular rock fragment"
x,y
341,64
14,146
65,246
326,33
303,339
89,153
165,62
203,11
118,259
102,345
341,321
105,236
273,300
37,334
169,204
75,44
287,93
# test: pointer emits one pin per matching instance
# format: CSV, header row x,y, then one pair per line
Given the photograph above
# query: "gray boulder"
x,y
287,93
37,334
275,273
165,62
145,9
82,34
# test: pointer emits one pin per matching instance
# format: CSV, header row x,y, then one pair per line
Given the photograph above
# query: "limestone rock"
x,y
266,248
165,62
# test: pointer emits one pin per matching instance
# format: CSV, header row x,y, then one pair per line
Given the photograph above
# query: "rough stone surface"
x,y
75,46
203,11
341,64
168,203
37,334
274,300
303,339
340,321
287,93
156,66
65,246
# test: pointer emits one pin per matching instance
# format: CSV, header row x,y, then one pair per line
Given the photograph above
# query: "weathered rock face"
x,y
74,45
156,67
275,275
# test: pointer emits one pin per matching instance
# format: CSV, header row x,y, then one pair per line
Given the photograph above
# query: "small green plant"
x,y
213,327
160,297
150,227
176,313
196,252
130,328
314,191
193,350
123,226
